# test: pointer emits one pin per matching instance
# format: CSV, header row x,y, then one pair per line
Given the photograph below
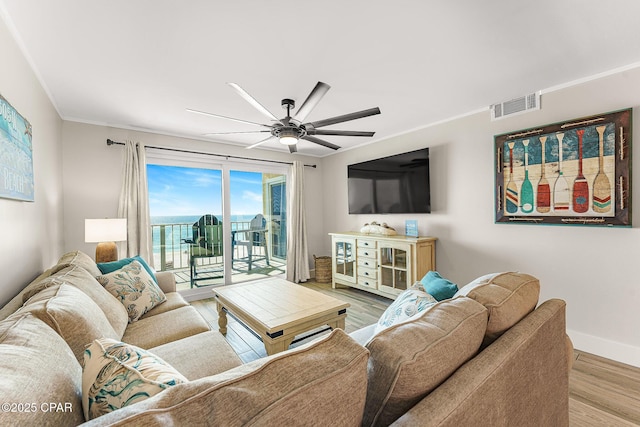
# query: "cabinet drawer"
x,y
367,262
368,282
366,252
367,243
371,273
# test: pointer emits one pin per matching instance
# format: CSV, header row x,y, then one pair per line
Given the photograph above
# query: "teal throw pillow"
x,y
110,267
437,286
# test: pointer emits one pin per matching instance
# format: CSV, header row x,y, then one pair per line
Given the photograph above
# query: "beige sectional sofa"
x,y
486,357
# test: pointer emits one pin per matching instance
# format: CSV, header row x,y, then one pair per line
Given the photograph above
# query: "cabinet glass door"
x,y
394,270
345,259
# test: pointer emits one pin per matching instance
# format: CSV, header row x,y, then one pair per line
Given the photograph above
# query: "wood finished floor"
x,y
602,392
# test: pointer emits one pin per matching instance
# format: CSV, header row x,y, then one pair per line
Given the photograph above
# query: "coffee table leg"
x,y
274,347
340,323
222,319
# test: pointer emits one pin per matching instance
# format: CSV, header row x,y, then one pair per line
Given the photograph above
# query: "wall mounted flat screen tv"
x,y
394,184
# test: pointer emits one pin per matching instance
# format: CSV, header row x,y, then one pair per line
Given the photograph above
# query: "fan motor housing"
x,y
284,131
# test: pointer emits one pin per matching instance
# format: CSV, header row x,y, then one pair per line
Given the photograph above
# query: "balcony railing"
x,y
170,252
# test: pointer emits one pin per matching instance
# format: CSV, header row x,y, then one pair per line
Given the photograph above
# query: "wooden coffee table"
x,y
278,310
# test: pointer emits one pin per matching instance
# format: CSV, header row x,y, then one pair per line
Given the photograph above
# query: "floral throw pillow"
x,y
134,288
116,374
408,304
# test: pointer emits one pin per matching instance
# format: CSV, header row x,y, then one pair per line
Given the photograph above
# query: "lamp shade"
x,y
105,230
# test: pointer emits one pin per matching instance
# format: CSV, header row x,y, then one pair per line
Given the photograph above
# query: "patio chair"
x,y
206,243
252,238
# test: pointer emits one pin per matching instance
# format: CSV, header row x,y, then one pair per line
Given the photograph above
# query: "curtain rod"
x,y
112,142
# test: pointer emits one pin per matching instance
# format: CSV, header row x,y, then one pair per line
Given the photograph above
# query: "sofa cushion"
x,y
321,383
134,288
437,286
174,300
110,267
406,305
165,327
37,367
410,359
81,260
80,278
116,374
509,297
200,355
17,301
72,314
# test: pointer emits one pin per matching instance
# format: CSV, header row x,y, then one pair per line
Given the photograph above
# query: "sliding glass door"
x,y
185,205
215,224
258,224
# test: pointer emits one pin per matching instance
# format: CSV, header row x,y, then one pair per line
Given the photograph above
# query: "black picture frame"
x,y
574,172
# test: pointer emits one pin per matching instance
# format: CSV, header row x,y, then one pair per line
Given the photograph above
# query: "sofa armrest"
x,y
522,379
166,281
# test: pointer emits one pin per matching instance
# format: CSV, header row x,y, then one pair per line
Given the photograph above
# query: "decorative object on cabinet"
x,y
411,227
384,265
375,228
575,172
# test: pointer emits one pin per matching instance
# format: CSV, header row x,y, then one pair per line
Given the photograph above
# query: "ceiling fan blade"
x,y
312,100
346,117
231,133
320,142
251,100
225,117
338,132
259,143
293,148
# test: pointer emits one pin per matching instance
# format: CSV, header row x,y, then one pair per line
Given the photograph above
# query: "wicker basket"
x,y
323,269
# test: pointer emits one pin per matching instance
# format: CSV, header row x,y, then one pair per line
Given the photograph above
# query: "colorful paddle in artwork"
x,y
561,194
543,197
580,185
511,193
527,188
601,184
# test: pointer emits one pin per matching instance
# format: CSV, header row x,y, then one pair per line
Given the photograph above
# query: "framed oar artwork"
x,y
575,172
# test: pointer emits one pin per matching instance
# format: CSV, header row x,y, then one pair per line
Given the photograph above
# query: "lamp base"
x,y
106,252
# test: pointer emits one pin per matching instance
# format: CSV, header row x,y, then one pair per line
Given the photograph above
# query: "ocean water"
x,y
178,228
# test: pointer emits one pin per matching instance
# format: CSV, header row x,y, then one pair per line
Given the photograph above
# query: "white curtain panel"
x,y
297,251
134,202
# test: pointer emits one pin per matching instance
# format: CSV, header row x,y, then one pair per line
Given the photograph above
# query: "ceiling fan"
x,y
290,129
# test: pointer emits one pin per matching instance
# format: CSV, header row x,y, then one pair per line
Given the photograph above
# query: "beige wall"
x,y
31,232
596,270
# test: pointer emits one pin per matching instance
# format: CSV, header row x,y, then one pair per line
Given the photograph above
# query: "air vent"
x,y
516,106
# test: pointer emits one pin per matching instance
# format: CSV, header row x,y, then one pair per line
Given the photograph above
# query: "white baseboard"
x,y
613,350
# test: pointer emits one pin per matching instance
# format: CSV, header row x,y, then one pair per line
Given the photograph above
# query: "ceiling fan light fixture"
x,y
288,136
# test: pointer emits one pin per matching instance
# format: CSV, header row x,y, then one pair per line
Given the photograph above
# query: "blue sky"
x,y
182,191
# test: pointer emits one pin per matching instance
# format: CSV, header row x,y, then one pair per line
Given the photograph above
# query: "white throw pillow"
x,y
135,289
408,304
117,374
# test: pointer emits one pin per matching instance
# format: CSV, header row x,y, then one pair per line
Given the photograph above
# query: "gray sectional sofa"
x,y
489,357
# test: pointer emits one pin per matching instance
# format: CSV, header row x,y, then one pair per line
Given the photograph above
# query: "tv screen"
x,y
394,184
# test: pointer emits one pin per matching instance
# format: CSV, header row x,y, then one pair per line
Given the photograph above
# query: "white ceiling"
x,y
138,64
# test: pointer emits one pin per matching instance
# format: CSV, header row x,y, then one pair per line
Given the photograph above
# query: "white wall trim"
x,y
620,352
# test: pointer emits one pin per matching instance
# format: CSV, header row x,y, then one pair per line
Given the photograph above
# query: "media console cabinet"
x,y
383,265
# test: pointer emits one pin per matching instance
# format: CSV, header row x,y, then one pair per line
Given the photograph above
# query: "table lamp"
x,y
106,232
